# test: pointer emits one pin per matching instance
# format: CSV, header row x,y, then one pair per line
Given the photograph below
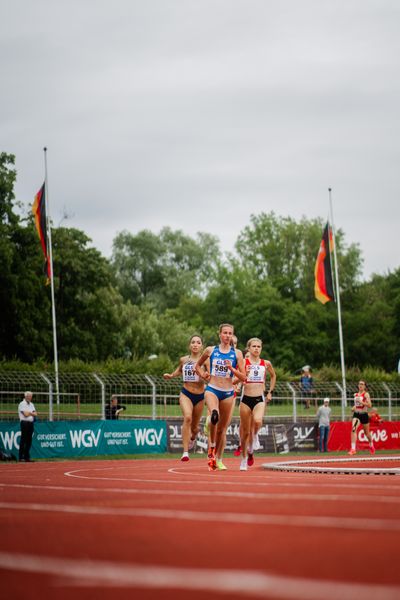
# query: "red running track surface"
x,y
164,529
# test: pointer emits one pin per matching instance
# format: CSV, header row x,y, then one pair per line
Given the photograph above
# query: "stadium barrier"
x,y
83,396
70,439
385,435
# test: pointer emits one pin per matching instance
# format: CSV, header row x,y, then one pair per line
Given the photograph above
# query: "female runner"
x,y
362,402
191,398
252,405
224,362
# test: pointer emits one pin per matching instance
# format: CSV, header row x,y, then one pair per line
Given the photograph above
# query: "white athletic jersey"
x,y
359,399
188,372
256,373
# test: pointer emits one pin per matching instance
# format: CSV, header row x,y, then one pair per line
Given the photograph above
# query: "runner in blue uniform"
x,y
224,362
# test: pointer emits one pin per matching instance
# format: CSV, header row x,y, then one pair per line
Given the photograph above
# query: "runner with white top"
x,y
362,402
191,398
252,405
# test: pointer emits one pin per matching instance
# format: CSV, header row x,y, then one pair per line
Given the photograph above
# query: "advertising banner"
x,y
70,439
276,437
386,436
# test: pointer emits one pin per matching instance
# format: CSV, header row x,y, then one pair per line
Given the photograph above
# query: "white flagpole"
x,y
344,392
53,306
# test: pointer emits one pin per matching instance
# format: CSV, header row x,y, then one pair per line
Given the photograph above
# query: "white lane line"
x,y
259,584
317,497
213,479
240,480
318,522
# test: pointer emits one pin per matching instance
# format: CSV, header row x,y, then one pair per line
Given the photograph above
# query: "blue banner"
x,y
68,439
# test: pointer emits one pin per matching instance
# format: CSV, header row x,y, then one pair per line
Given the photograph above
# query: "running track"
x,y
162,529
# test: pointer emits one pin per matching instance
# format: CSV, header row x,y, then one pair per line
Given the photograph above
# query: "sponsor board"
x,y
88,438
273,437
385,435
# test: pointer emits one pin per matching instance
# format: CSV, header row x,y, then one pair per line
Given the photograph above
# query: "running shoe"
x,y
211,452
191,444
206,429
214,417
212,464
256,442
238,451
372,450
220,465
250,459
185,457
243,464
352,452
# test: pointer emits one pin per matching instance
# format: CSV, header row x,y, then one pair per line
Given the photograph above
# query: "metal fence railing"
x,y
84,396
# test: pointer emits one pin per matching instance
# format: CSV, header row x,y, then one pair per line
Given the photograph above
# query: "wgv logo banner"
x,y
88,438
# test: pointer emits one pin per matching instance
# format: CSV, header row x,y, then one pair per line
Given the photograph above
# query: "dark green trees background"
x,y
158,289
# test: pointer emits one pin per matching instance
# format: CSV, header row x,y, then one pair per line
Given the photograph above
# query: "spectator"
x,y
374,417
324,418
306,385
113,408
27,415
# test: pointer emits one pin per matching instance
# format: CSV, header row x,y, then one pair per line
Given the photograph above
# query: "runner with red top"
x,y
225,362
362,402
252,405
191,398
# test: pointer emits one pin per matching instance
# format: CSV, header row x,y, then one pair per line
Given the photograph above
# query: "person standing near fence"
x,y
225,362
306,385
191,398
113,409
252,404
27,415
324,419
362,402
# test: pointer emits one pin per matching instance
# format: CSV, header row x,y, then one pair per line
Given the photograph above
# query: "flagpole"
x,y
53,306
344,391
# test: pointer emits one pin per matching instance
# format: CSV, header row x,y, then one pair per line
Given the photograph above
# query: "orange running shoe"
x,y
351,452
212,464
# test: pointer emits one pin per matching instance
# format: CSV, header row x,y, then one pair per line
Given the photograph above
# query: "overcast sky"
x,y
198,113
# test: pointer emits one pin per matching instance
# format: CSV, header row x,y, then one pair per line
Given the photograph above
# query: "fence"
x,y
84,396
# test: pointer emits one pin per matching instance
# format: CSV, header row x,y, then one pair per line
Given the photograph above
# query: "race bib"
x,y
219,368
256,374
189,373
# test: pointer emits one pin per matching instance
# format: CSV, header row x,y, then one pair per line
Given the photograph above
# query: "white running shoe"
x,y
256,442
243,464
191,444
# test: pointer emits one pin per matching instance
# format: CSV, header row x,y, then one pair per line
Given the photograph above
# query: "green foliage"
x,y
162,269
283,252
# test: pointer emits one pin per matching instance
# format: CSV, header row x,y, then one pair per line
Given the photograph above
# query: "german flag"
x,y
39,211
323,287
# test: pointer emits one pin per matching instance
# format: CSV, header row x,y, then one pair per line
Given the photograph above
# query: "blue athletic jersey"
x,y
217,362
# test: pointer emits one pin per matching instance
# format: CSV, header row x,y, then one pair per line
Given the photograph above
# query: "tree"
x,y
23,301
283,252
162,269
88,307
